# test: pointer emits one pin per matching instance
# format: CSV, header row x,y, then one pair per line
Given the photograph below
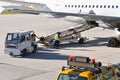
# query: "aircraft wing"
x,y
88,17
108,20
45,9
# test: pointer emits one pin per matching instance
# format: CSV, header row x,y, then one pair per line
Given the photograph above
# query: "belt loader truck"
x,y
72,34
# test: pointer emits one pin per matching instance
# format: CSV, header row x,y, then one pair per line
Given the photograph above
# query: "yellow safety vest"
x,y
56,37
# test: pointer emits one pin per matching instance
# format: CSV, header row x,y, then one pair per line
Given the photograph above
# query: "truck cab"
x,y
20,43
81,68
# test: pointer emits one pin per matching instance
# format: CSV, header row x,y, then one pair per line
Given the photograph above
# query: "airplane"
x,y
92,11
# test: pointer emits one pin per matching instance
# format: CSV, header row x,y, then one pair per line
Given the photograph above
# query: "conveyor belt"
x,y
69,34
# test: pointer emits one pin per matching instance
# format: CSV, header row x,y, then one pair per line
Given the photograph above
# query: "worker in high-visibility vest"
x,y
57,40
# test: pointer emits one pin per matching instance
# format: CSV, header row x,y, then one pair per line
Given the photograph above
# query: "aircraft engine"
x,y
117,30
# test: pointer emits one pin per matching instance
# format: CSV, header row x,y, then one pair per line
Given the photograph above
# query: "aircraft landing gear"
x,y
113,42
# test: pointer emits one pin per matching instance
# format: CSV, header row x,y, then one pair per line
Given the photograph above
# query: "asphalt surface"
x,y
46,63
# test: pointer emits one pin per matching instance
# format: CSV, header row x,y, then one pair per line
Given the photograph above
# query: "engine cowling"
x,y
93,23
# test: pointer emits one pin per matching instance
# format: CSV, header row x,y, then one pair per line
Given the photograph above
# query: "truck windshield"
x,y
118,72
12,38
71,77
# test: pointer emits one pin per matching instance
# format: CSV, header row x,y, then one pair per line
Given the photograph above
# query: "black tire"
x,y
81,41
23,52
113,42
13,55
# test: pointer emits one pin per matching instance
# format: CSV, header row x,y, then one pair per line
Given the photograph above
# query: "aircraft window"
x,y
65,5
86,6
89,6
100,6
97,6
68,5
71,5
75,6
112,6
104,6
117,6
93,6
108,6
82,6
79,6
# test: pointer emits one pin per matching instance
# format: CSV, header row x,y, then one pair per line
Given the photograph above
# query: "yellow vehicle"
x,y
84,68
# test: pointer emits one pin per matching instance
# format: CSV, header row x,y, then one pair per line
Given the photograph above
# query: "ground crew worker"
x,y
34,37
57,40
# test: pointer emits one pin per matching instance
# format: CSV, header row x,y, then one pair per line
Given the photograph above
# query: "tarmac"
x,y
47,62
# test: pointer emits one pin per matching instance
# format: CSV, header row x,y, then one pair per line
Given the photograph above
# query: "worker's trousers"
x,y
56,43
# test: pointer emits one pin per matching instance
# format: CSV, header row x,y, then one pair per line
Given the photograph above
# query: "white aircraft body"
x,y
92,11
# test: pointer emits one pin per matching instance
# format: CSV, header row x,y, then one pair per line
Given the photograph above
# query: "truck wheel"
x,y
81,41
12,55
113,42
23,52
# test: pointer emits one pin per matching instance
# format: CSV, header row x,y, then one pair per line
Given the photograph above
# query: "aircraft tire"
x,y
113,42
